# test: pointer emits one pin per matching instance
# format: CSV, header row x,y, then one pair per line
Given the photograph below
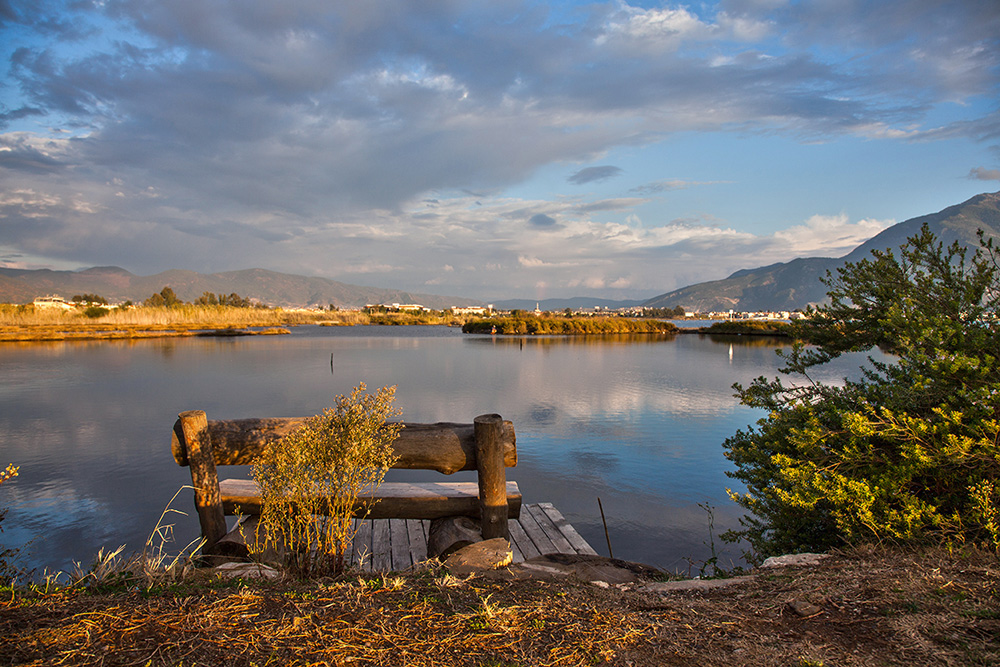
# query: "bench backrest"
x,y
487,445
445,446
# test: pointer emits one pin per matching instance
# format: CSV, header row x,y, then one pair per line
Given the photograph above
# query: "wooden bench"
x,y
486,446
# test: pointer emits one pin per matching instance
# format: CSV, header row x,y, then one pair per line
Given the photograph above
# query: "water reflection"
x,y
636,420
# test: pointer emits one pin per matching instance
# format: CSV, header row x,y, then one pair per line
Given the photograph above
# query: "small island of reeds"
x,y
749,328
563,325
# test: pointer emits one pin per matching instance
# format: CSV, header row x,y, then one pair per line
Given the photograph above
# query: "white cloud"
x,y
829,235
299,135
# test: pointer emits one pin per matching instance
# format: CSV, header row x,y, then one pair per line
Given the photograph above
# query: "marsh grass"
x,y
27,323
154,566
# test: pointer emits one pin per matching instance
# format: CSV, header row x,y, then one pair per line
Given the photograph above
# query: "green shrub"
x,y
311,479
748,327
907,453
96,311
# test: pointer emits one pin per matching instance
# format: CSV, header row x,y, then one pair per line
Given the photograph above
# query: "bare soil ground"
x,y
860,607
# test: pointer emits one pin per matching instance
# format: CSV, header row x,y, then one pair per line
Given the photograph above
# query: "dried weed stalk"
x,y
311,480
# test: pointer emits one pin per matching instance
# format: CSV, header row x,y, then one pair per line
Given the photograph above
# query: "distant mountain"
x,y
795,284
275,289
576,303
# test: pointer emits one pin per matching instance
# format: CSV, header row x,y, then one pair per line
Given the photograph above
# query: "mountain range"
x,y
782,286
275,289
795,284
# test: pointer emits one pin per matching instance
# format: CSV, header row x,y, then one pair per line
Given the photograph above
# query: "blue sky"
x,y
492,149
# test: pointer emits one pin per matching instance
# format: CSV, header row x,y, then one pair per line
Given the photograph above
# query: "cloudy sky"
x,y
486,149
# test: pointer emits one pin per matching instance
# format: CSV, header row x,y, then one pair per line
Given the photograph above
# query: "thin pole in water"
x,y
604,521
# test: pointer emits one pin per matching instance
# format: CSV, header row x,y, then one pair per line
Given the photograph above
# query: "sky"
x,y
489,150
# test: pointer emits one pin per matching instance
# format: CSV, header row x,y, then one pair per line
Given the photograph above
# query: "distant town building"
x,y
472,310
408,307
53,301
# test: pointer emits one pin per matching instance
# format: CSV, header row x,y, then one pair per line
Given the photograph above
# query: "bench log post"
x,y
492,476
204,478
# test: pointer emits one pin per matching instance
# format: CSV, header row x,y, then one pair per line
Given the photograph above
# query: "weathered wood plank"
x,y
401,500
566,528
400,549
349,547
418,539
362,554
537,535
446,447
560,543
517,557
381,546
524,543
385,539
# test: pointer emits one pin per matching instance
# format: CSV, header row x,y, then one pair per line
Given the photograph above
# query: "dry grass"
x,y
872,608
25,323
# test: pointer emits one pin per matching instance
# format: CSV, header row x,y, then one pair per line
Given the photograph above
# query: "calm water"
x,y
638,422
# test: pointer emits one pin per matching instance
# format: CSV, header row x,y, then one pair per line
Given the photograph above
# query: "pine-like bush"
x,y
908,453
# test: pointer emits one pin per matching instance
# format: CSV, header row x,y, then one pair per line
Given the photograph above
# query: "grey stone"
x,y
246,571
692,584
793,559
480,557
579,566
803,608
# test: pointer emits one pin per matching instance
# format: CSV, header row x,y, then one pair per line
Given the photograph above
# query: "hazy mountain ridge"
x,y
782,286
796,284
270,287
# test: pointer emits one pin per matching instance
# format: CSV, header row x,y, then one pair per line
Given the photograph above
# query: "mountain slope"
x,y
795,284
270,287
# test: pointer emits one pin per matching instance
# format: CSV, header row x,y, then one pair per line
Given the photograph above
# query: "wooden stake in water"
x,y
604,521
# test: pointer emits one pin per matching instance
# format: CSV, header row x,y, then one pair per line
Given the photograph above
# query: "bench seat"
x,y
396,500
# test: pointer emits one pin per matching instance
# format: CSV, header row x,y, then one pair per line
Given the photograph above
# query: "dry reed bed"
x,y
873,607
28,324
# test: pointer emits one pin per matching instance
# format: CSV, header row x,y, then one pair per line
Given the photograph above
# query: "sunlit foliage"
x,y
907,453
311,479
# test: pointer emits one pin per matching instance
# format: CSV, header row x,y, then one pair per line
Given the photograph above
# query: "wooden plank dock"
x,y
385,545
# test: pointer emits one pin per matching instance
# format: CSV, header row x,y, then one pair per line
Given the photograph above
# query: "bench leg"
x,y
492,476
207,499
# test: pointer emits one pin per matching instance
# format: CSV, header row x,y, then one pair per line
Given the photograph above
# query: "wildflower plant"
x,y
311,480
6,554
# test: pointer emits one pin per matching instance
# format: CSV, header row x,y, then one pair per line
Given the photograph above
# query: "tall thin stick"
x,y
604,521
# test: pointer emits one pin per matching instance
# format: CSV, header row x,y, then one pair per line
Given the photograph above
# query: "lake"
x,y
635,421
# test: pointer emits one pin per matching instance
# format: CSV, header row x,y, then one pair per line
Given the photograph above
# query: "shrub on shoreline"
x,y
558,325
908,453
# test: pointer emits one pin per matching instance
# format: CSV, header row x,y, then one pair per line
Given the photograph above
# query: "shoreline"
x,y
58,333
861,606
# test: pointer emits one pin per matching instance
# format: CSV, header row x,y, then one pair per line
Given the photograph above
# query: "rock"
x,y
793,559
692,584
580,566
480,557
247,571
803,608
451,533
